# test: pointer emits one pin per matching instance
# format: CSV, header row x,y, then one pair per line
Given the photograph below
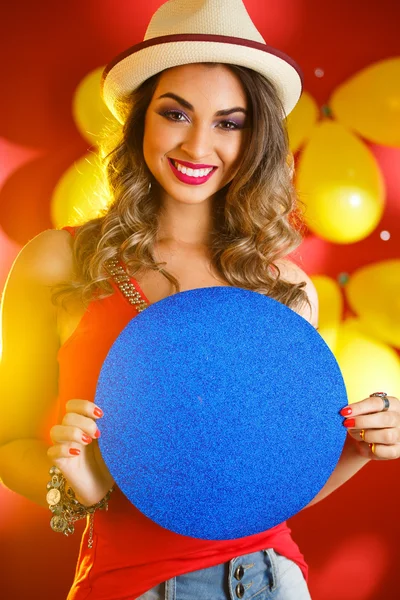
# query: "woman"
x,y
222,219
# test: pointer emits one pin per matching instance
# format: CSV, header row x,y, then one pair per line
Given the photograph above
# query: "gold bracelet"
x,y
66,508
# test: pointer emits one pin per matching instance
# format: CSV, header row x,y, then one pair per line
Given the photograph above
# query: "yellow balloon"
x,y
301,121
373,293
329,335
330,302
369,102
80,194
367,364
340,183
90,113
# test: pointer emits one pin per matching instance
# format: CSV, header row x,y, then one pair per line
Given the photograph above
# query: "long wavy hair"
x,y
255,217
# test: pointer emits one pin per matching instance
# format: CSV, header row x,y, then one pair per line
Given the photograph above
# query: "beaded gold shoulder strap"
x,y
124,283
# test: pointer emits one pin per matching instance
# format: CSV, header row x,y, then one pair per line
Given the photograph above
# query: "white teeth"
x,y
192,172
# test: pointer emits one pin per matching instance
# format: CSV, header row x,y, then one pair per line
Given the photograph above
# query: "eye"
x,y
232,125
171,114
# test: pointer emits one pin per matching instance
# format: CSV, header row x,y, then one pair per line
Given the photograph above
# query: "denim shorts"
x,y
259,575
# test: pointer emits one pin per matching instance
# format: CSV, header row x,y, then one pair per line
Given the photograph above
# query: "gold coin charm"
x,y
55,482
58,524
57,509
53,496
66,509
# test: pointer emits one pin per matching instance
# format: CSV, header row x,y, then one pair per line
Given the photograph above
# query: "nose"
x,y
198,143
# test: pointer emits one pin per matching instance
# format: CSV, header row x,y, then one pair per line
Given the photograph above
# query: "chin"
x,y
189,198
187,194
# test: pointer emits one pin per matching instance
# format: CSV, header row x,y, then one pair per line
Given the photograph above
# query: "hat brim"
x,y
130,69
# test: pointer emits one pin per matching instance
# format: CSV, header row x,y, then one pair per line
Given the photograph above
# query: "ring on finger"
x,y
385,399
386,403
372,448
362,434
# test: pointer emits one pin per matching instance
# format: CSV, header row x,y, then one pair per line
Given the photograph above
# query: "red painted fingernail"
x,y
98,412
86,438
349,422
346,411
97,434
74,451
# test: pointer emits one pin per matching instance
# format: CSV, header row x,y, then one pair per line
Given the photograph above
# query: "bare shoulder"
x,y
294,274
46,259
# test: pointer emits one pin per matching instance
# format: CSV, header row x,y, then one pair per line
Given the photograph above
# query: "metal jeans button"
x,y
239,572
239,590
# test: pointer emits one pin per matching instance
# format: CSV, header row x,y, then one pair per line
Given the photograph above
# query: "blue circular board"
x,y
221,412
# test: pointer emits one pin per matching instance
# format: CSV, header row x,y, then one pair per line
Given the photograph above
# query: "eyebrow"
x,y
186,104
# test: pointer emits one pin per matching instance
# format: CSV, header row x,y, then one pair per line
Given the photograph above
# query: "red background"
x,y
351,539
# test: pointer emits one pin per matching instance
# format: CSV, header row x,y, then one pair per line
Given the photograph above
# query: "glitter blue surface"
x,y
221,412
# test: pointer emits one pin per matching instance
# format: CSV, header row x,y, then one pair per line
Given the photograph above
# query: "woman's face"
x,y
184,124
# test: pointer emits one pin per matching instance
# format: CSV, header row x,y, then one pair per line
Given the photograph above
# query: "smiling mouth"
x,y
191,176
190,171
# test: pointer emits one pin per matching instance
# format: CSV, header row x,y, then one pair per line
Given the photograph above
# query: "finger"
x,y
379,420
387,437
370,405
63,451
62,433
84,407
86,424
357,434
383,452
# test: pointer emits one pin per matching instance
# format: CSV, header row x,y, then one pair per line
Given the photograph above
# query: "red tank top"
x,y
130,553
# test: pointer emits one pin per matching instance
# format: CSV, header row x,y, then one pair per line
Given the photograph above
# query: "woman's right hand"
x,y
76,452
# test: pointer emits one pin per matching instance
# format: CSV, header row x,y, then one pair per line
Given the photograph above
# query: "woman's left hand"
x,y
377,431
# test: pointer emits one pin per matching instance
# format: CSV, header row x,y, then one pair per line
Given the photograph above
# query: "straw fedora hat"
x,y
191,31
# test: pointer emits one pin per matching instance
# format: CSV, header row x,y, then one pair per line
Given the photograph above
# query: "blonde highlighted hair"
x,y
253,216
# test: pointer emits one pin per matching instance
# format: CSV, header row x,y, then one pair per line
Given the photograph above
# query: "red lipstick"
x,y
188,178
193,165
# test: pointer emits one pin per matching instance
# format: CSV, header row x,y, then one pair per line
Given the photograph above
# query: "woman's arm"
x,y
29,413
28,367
349,463
381,428
24,468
